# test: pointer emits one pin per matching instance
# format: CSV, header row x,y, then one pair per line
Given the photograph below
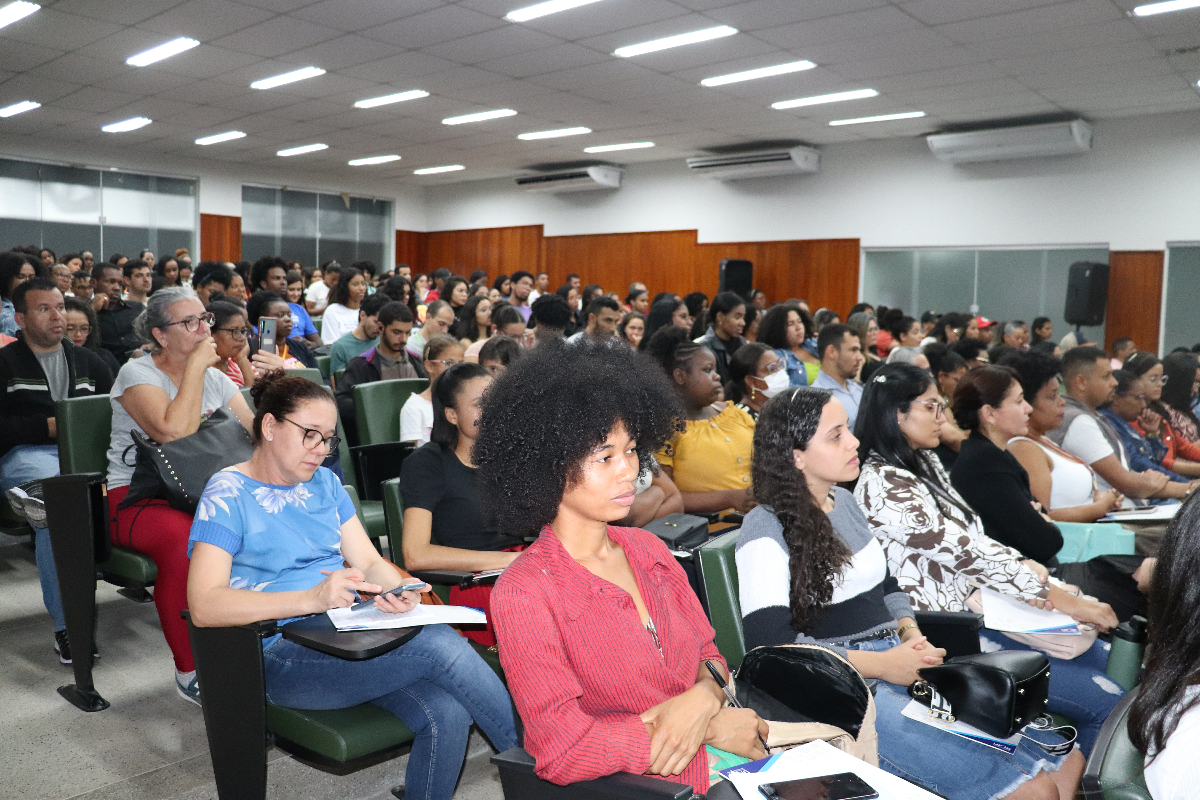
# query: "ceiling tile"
x,y
122,12
760,14
276,36
609,16
939,12
548,59
1033,21
96,100
840,28
496,43
206,19
363,14
344,51
434,27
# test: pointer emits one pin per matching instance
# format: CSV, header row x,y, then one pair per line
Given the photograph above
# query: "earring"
x,y
270,439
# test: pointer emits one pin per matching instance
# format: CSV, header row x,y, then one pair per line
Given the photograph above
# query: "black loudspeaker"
x,y
737,275
1087,293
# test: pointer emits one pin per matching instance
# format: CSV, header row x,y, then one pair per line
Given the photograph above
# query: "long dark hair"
x,y
661,315
341,289
1174,645
466,327
1180,372
889,392
743,363
815,554
1139,364
446,389
772,330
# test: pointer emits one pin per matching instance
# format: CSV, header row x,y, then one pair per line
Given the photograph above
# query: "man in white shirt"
x,y
541,285
317,295
841,358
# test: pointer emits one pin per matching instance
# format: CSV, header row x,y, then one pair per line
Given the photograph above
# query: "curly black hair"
x,y
546,414
816,555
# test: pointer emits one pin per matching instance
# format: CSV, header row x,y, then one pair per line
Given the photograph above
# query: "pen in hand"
x,y
733,701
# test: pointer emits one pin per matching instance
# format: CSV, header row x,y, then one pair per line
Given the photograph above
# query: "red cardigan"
x,y
1177,446
580,665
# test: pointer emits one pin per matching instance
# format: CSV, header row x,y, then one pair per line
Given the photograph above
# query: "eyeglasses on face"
x,y
237,333
313,437
771,369
1141,398
1159,381
84,329
936,407
192,324
446,362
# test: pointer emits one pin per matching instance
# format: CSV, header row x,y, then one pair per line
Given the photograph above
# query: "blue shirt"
x,y
280,537
302,324
796,370
1143,453
850,397
8,317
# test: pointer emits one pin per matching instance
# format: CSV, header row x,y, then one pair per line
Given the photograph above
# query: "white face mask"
x,y
776,383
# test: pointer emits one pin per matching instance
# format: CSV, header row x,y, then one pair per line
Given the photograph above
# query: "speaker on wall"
x,y
1087,293
737,275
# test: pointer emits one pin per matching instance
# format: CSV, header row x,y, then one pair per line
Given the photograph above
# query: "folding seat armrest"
x,y
519,781
442,577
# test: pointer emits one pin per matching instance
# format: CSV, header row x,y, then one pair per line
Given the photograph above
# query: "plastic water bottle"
x,y
1128,648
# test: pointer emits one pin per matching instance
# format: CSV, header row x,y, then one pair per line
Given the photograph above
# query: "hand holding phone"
x,y
266,334
843,786
408,587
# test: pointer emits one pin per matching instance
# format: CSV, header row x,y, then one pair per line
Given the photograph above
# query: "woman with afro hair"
x,y
602,640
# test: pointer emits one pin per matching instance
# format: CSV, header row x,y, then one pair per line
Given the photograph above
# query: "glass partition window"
x,y
312,228
1180,323
70,209
1002,284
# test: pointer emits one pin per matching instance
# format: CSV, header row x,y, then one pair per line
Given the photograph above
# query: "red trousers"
x,y
159,531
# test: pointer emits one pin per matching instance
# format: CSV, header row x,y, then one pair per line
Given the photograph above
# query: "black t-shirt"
x,y
435,480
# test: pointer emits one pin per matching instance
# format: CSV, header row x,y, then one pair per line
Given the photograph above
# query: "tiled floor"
x,y
150,745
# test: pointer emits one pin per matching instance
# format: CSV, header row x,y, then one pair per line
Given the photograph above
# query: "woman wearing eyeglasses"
x,y
165,395
232,337
277,537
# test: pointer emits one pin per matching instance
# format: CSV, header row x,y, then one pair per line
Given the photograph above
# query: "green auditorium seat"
x,y
718,576
1114,769
323,365
377,408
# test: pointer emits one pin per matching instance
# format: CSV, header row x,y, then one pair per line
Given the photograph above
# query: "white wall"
x,y
1136,190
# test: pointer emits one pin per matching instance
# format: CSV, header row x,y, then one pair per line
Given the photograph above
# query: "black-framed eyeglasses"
x,y
237,333
312,437
192,324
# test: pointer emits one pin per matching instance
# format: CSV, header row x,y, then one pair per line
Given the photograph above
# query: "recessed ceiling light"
x,y
366,162
816,100
399,97
675,41
880,118
288,77
761,72
15,11
435,170
217,138
19,108
480,117
305,148
608,148
542,9
554,134
171,48
1151,9
131,124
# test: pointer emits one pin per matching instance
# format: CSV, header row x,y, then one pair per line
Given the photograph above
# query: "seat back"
x,y
393,509
719,579
84,428
350,490
323,365
1084,541
311,374
1114,769
377,408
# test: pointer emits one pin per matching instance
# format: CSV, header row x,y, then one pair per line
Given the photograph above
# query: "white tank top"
x,y
1070,482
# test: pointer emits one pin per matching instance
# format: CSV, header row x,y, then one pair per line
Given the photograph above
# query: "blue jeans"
x,y
1079,689
435,682
29,462
942,762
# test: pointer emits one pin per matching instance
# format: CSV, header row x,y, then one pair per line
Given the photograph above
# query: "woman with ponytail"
x,y
811,572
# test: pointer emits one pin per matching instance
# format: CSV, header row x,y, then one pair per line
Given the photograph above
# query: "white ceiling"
x,y
960,61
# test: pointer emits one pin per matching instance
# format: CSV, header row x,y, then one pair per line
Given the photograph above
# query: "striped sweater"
x,y
866,598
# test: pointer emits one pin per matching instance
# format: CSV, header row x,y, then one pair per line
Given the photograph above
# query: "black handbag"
x,y
177,471
998,693
680,531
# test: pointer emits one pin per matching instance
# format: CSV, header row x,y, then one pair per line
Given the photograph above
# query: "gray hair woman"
x,y
165,396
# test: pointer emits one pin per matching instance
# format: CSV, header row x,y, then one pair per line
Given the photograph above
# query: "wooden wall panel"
x,y
663,260
496,251
822,271
220,238
1134,297
410,249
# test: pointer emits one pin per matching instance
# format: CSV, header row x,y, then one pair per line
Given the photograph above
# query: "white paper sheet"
x,y
373,619
1157,514
1004,613
820,758
916,711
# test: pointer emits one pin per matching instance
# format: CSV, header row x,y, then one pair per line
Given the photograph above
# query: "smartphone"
x,y
843,786
407,587
266,334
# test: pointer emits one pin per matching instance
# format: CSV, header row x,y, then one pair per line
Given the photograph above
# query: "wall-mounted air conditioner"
x,y
761,164
1025,141
576,180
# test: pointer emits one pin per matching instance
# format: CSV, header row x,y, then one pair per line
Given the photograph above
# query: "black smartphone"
x,y
362,605
843,786
266,334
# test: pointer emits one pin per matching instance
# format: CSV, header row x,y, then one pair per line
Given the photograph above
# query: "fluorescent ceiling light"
x,y
435,170
171,48
305,148
675,41
608,148
288,77
542,9
816,100
1151,9
19,108
880,118
480,117
217,138
554,134
761,72
131,124
366,162
15,11
399,97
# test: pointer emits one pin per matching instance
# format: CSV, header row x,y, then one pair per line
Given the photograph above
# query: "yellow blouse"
x,y
712,453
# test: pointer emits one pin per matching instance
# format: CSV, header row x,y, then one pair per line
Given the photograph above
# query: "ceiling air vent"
x,y
761,164
577,180
1025,141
